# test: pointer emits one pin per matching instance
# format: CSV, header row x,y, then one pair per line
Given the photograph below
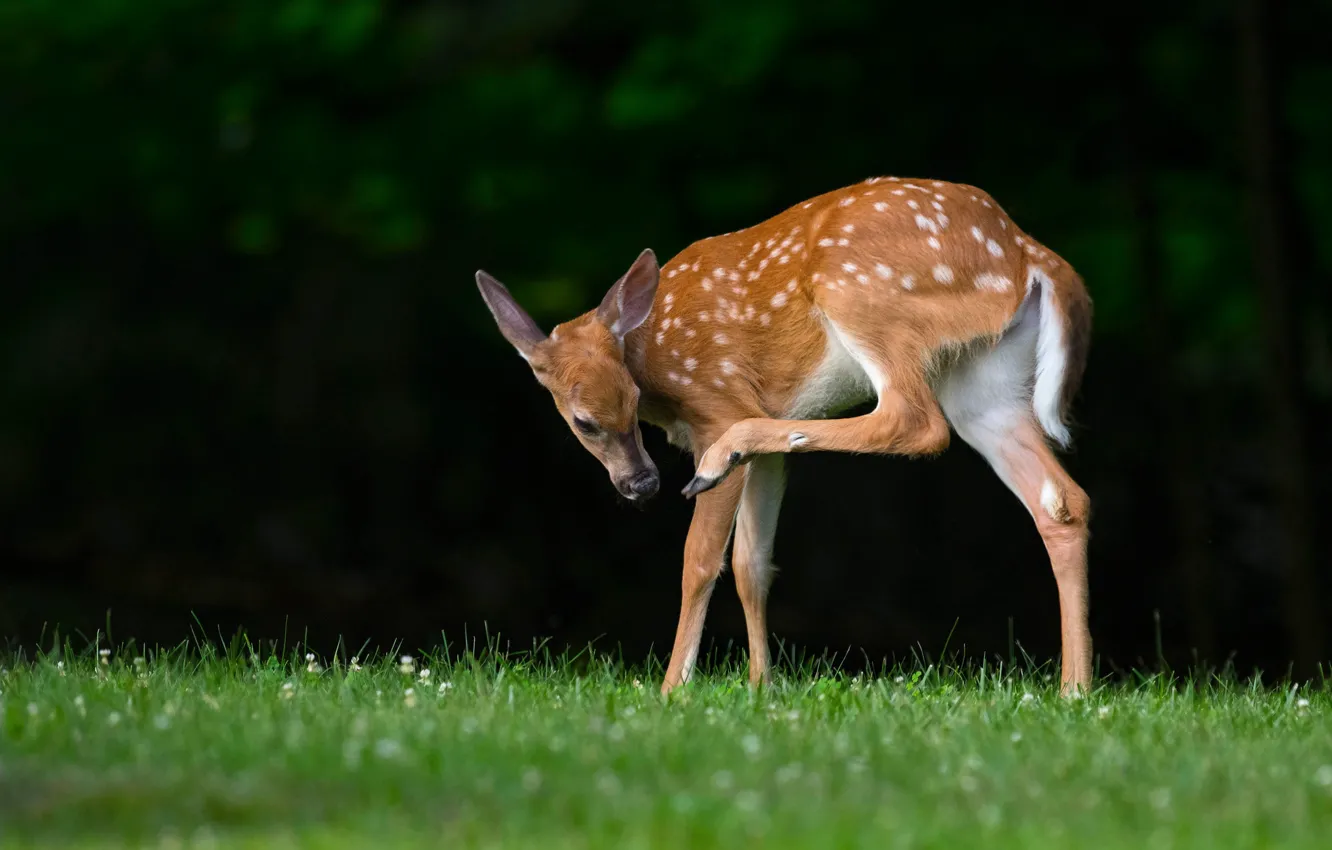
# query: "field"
x,y
239,748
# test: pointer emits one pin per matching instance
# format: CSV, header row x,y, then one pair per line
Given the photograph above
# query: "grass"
x,y
234,748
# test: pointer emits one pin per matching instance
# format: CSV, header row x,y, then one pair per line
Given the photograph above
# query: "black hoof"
x,y
698,485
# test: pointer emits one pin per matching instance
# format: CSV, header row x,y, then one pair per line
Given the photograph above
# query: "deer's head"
x,y
582,364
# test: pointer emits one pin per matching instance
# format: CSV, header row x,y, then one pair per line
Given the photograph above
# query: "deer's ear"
x,y
517,327
629,301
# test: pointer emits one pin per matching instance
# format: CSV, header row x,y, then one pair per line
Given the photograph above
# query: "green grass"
x,y
198,748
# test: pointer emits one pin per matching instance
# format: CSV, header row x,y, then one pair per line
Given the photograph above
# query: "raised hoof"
x,y
698,485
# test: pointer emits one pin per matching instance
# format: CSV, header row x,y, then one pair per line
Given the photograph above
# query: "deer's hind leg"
x,y
906,421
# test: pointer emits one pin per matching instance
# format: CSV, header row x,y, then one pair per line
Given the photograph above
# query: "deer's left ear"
x,y
629,301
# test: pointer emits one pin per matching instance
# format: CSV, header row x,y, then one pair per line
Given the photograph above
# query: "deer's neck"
x,y
653,407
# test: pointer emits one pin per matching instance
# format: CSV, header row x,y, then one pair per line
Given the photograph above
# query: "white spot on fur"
x,y
690,333
848,228
826,243
933,243
1052,501
899,191
976,234
673,377
993,282
847,201
727,367
720,339
912,203
848,267
862,278
994,248
718,382
843,242
908,281
764,319
926,223
690,364
672,273
942,219
881,206
779,300
943,273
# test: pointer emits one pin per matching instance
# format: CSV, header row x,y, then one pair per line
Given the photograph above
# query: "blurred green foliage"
x,y
239,238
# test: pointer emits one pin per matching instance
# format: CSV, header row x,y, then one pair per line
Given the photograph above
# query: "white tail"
x,y
915,294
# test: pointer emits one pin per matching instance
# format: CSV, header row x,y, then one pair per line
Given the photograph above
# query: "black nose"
x,y
644,485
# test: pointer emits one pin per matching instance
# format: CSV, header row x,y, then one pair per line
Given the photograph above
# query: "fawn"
x,y
920,295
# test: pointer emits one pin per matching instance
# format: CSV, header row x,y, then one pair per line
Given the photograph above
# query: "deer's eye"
x,y
586,426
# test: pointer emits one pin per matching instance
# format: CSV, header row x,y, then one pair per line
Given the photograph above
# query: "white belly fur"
x,y
840,382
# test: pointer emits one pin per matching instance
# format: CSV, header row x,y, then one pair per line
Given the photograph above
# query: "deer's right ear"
x,y
629,301
517,327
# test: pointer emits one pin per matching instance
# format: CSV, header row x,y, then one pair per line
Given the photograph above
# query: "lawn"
x,y
239,748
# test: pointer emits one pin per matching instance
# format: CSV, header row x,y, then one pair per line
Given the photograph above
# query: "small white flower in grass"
x,y
900,679
406,665
1028,697
1103,711
1301,703
309,656
161,721
608,783
355,664
1015,737
788,773
638,684
113,718
751,745
32,709
444,687
425,674
1323,776
105,653
387,748
409,697
139,661
78,703
748,801
531,779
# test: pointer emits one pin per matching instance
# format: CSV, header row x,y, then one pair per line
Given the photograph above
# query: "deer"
x,y
921,296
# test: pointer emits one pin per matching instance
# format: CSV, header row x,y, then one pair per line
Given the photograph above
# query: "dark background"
x,y
246,377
